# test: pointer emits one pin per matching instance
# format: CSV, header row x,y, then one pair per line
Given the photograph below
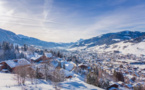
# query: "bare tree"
x,y
21,73
46,71
57,76
31,74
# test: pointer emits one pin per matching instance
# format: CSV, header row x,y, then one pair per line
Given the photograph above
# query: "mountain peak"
x,y
110,38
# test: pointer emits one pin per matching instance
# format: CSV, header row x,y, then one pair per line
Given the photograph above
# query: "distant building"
x,y
42,58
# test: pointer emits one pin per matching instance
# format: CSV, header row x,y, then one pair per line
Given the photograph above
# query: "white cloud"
x,y
45,20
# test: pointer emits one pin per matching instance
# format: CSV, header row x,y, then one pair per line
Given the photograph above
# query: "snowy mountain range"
x,y
105,39
109,38
125,42
21,39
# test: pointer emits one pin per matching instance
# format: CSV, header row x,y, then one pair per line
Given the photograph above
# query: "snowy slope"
x,y
133,46
123,47
108,39
7,82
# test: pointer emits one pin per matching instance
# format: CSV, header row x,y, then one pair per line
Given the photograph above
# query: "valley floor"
x,y
7,82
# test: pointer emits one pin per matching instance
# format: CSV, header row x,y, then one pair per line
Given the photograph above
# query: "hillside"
x,y
109,38
75,83
21,39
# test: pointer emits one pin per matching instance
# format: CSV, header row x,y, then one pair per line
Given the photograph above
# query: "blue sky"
x,y
70,20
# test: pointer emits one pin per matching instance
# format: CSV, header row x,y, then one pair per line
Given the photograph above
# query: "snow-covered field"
x,y
124,48
7,82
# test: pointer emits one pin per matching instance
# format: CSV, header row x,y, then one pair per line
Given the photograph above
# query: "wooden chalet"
x,y
83,66
10,65
42,58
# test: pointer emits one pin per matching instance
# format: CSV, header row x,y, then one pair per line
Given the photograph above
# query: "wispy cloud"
x,y
120,19
65,21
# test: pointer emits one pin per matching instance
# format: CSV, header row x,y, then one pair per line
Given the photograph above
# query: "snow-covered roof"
x,y
67,73
82,64
59,59
116,39
129,85
49,55
120,82
20,62
23,62
68,65
11,63
36,57
54,63
4,70
1,65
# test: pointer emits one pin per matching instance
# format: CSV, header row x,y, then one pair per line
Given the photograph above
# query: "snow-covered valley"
x,y
90,64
